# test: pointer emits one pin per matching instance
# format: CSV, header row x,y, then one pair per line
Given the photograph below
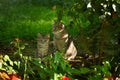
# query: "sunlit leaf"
x,y
11,63
6,58
15,62
22,47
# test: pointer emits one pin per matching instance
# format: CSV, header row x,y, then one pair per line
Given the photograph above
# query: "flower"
x,y
65,78
14,77
4,75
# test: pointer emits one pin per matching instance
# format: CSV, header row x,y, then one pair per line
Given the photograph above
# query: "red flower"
x,y
65,78
14,77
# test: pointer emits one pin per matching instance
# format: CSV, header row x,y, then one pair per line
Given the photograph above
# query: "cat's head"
x,y
58,26
43,38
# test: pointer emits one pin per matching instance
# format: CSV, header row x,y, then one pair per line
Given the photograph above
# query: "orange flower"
x,y
14,77
4,75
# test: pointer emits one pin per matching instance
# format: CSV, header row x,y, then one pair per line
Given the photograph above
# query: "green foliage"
x,y
98,25
99,72
50,67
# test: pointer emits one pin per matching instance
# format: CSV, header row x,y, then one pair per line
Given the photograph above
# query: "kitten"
x,y
61,40
42,45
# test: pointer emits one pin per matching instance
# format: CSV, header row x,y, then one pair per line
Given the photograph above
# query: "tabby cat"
x,y
42,45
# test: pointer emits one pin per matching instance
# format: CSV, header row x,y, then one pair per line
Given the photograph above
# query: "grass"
x,y
25,22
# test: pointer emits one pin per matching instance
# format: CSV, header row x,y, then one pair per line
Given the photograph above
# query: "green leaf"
x,y
15,62
22,47
21,55
10,68
0,65
11,62
63,65
84,70
6,58
74,71
37,62
4,63
57,76
54,67
95,77
42,74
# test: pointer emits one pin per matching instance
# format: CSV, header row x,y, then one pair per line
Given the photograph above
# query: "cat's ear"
x,y
47,36
39,35
61,24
